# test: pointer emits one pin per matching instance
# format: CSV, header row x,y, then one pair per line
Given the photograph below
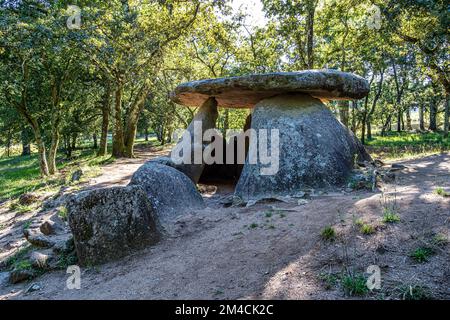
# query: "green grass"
x,y
390,216
18,260
422,254
414,292
367,229
439,240
441,192
328,233
354,284
404,145
20,175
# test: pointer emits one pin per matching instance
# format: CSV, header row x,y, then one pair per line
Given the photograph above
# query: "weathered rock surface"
x,y
17,276
108,224
315,150
27,199
170,192
247,91
42,260
205,119
52,225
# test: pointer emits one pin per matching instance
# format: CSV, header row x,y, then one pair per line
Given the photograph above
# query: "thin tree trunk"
x,y
408,119
421,118
146,134
54,144
311,10
446,116
132,121
25,138
94,139
118,150
433,117
344,112
106,107
369,130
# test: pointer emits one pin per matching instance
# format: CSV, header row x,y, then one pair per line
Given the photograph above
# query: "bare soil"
x,y
274,250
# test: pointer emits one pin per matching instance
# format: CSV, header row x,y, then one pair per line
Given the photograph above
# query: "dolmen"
x,y
312,147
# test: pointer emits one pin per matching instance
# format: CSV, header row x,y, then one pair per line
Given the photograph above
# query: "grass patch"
x,y
329,280
414,292
328,234
367,229
390,216
67,259
268,214
19,260
439,240
441,192
398,145
62,213
354,284
422,254
253,226
20,174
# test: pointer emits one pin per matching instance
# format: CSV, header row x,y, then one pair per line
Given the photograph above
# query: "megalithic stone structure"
x,y
315,149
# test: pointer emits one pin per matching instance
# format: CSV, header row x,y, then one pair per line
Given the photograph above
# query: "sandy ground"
x,y
274,250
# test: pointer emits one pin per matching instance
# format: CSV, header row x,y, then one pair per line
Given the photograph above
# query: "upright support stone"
x,y
205,119
315,149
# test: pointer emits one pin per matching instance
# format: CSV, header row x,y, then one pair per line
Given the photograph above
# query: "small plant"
x,y
359,222
439,240
253,226
422,254
328,233
390,216
20,209
26,225
268,214
62,213
367,229
441,192
330,280
271,226
67,259
414,292
354,284
22,265
282,215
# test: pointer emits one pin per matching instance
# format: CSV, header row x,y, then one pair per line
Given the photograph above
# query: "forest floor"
x,y
275,250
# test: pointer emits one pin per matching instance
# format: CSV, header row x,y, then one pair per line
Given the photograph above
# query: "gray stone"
x,y
4,278
76,175
52,225
171,192
41,260
316,150
206,117
36,238
247,91
33,287
27,199
108,224
17,276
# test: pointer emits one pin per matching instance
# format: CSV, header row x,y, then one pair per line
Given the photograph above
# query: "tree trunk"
x,y
433,117
311,10
344,112
369,130
54,144
118,149
132,121
399,121
354,108
94,140
25,137
408,119
106,107
146,133
446,116
421,118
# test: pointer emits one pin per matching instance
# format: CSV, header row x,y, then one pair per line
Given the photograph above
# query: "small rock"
x,y
52,225
41,260
302,202
27,199
17,276
64,244
38,239
4,278
76,176
34,287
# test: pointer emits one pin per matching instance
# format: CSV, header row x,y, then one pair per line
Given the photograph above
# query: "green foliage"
x,y
414,292
328,234
390,216
441,192
354,284
367,229
422,254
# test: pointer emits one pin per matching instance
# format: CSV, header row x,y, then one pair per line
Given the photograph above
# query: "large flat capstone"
x,y
247,91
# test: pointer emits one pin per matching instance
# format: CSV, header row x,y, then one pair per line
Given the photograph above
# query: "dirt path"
x,y
274,250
